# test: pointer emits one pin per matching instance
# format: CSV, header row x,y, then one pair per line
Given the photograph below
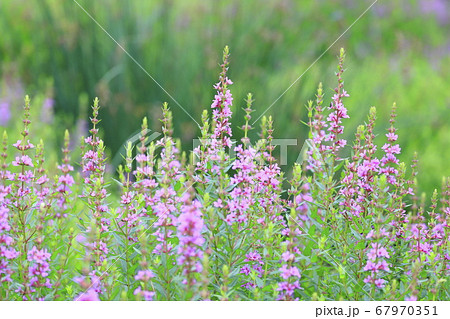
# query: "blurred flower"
x,y
148,295
5,113
40,268
90,295
411,298
144,275
47,111
437,7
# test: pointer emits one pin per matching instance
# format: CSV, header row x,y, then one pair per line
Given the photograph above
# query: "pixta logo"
x,y
283,145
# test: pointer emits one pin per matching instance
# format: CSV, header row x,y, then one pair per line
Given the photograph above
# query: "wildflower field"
x,y
221,222
399,51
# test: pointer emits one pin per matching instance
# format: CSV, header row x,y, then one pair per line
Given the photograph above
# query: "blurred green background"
x,y
397,52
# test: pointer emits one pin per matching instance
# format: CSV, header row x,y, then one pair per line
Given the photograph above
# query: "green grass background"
x,y
397,52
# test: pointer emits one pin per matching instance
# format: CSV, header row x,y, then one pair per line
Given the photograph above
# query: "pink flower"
x,y
148,295
253,256
377,251
370,234
39,256
190,225
287,256
382,265
380,283
287,272
90,295
392,137
370,266
24,160
144,275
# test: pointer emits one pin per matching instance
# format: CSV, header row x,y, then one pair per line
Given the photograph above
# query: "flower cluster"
x,y
224,222
221,109
65,181
289,271
7,250
326,145
254,266
339,111
39,268
190,227
376,259
144,276
95,193
214,144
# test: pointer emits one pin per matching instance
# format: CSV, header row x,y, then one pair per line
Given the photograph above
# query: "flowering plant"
x,y
218,226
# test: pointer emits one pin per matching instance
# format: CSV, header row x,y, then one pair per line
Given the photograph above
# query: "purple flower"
x,y
5,113
39,256
190,226
370,266
376,263
90,295
287,256
7,252
245,270
380,282
94,191
144,275
24,160
377,251
287,289
39,268
382,265
287,272
439,8
148,295
47,110
220,138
